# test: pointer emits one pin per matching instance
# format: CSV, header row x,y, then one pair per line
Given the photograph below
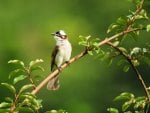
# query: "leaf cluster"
x,y
131,104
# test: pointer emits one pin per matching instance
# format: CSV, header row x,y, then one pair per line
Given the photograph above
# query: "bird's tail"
x,y
53,84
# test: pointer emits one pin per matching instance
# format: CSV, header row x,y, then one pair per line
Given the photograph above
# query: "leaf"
x,y
90,52
112,110
55,111
14,72
116,43
124,96
25,109
126,105
148,28
123,49
5,104
19,78
120,62
8,99
16,62
112,27
25,87
140,102
36,68
32,63
5,110
126,68
10,87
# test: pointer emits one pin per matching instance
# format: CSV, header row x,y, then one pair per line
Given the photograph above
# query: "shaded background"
x,y
88,85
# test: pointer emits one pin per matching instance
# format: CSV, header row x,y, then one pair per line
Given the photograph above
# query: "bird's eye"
x,y
57,32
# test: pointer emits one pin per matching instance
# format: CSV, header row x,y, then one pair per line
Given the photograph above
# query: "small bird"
x,y
61,54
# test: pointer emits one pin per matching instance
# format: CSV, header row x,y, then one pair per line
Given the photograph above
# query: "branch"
x,y
126,31
56,72
129,59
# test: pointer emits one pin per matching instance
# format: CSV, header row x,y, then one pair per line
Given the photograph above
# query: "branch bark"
x,y
126,31
139,76
83,53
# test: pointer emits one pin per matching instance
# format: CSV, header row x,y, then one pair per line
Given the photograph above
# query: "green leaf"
x,y
116,43
123,49
126,68
36,68
25,87
148,28
16,62
126,105
90,52
124,96
112,27
32,63
55,111
135,62
5,110
112,110
8,99
25,109
5,104
19,78
14,72
140,102
10,87
120,62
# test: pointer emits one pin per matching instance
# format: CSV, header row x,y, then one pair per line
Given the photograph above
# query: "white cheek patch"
x,y
62,32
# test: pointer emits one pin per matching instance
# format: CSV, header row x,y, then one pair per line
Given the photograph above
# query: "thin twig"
x,y
129,59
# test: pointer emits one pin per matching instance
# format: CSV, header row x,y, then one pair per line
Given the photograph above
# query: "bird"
x,y
61,54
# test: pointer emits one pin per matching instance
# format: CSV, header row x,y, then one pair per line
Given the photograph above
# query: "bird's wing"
x,y
54,53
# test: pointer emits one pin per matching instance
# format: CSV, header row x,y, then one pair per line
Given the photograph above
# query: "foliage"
x,y
125,27
22,100
130,57
131,104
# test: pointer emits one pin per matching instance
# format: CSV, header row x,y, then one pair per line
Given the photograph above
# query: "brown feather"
x,y
54,53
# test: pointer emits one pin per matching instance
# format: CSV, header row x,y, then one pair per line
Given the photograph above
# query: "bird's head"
x,y
59,35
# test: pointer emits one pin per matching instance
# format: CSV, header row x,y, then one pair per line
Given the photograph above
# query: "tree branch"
x,y
126,31
56,72
129,59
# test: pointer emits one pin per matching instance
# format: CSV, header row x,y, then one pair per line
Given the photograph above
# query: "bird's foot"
x,y
67,62
59,69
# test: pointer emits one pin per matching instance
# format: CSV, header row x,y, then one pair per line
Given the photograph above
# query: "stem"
x,y
30,77
129,59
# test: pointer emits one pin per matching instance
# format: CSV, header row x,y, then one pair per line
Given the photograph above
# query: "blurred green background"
x,y
88,85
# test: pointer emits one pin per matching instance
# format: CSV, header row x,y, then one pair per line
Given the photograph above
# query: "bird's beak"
x,y
53,34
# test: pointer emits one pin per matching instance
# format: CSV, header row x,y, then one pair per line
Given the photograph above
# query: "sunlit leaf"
x,y
148,28
16,62
5,104
112,110
19,78
90,52
124,96
15,72
56,111
32,63
116,43
25,87
126,105
10,87
126,68
36,68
